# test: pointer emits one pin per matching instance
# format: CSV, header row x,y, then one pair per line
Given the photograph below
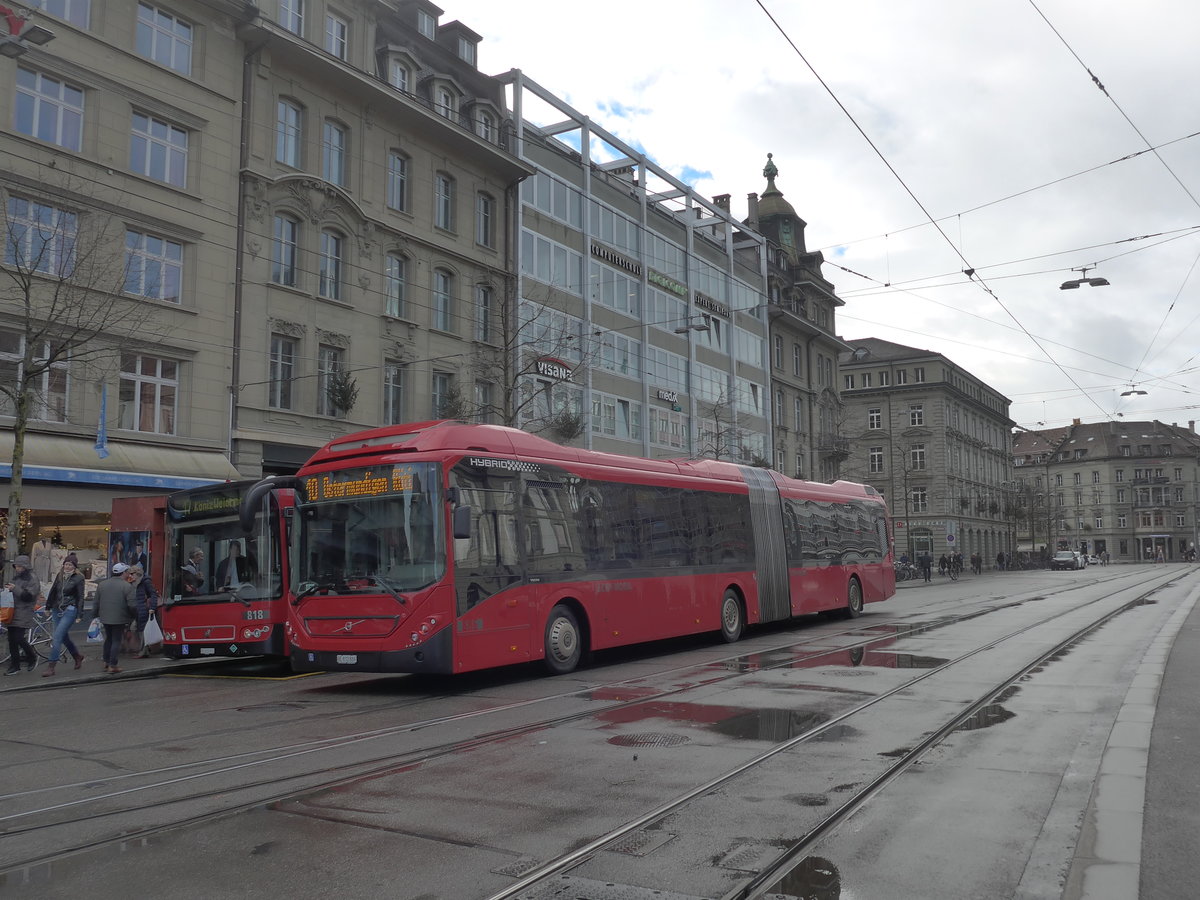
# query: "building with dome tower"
x,y
802,344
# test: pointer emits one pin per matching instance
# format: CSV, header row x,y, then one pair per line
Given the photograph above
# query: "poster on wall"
x,y
129,547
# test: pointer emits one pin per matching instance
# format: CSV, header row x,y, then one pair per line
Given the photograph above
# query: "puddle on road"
x,y
992,714
813,878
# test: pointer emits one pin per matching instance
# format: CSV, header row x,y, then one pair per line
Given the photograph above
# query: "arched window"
x,y
332,252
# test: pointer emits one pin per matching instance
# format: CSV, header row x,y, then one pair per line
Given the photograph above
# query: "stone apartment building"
x,y
1125,488
935,441
304,211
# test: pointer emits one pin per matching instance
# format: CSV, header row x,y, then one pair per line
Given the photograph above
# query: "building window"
x,y
918,499
884,379
485,220
285,250
798,412
329,364
47,378
1077,478
866,379
875,460
76,12
281,372
443,201
337,34
1119,475
616,417
466,51
485,406
399,76
1120,495
485,126
918,375
445,103
1178,474
49,110
875,417
443,299
287,133
153,266
331,266
1179,521
426,24
483,312
1058,480
164,38
916,415
397,181
393,393
916,456
901,376
396,281
1122,522
777,351
779,420
148,393
797,358
1095,478
333,154
442,383
291,15
158,150
40,238
849,382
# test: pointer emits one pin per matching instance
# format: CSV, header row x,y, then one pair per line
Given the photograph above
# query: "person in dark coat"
x,y
146,598
927,565
65,602
116,607
25,589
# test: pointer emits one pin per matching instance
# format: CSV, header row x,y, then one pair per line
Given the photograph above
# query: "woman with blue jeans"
x,y
66,603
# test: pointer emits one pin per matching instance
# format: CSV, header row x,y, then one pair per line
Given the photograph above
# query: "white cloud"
x,y
968,102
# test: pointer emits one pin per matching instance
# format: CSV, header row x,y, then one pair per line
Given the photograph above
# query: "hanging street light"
x,y
1076,282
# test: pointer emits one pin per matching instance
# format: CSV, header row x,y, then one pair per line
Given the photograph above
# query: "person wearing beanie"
x,y
65,602
25,589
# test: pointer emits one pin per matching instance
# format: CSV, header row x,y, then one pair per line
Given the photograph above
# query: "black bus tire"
x,y
854,601
733,617
563,641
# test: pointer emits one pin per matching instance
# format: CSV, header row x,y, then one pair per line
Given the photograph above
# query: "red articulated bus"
x,y
225,585
445,547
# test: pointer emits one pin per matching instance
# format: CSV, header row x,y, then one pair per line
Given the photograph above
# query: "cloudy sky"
x,y
985,116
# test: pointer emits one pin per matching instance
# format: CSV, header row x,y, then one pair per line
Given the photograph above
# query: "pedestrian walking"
x,y
116,606
1000,560
927,565
146,599
65,603
25,589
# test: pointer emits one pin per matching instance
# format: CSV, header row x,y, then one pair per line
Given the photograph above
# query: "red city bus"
x,y
444,547
225,585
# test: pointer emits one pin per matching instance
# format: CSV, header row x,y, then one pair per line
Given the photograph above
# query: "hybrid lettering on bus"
x,y
445,547
225,582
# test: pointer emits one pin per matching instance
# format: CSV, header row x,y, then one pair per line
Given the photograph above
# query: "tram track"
x,y
136,793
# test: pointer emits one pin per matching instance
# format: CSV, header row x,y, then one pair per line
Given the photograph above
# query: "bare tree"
x,y
64,314
717,434
533,356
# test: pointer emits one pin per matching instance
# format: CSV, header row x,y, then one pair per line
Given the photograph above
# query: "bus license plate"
x,y
347,659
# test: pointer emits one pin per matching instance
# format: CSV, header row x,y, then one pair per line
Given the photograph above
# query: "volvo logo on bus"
x,y
554,368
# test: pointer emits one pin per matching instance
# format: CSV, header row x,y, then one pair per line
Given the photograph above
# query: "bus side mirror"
x,y
462,522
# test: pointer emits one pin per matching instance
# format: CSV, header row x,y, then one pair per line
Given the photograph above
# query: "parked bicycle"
x,y
40,636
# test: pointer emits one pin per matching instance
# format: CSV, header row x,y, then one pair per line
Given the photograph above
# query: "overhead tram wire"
x,y
957,252
1005,199
1100,86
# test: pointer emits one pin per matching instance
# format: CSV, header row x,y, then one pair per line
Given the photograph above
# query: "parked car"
x,y
1093,560
1065,559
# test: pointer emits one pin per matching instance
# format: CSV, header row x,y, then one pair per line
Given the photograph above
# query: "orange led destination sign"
x,y
358,483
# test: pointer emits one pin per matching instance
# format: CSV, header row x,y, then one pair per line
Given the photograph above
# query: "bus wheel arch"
x,y
733,615
854,599
565,637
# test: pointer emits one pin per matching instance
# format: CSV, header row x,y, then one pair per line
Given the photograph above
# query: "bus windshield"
x,y
210,558
371,531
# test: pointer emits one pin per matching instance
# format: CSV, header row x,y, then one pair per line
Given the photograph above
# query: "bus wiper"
x,y
307,589
390,588
232,592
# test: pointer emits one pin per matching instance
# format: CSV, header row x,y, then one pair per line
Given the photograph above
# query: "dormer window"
x,y
445,103
400,76
485,125
426,24
466,51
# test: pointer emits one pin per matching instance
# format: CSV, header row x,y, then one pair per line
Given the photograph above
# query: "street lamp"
x,y
1133,392
702,325
21,34
1076,282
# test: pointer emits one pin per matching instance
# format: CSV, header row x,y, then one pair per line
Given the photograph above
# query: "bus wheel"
x,y
854,606
732,620
563,646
